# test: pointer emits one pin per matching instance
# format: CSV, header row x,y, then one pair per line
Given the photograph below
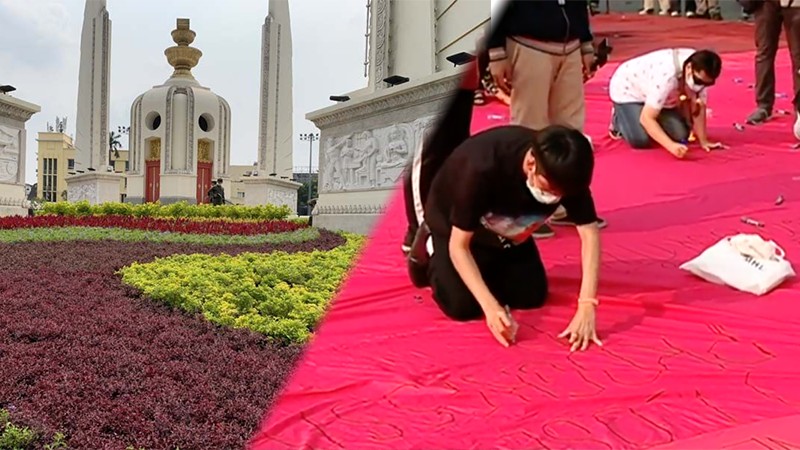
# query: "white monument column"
x,y
94,180
272,181
13,115
366,142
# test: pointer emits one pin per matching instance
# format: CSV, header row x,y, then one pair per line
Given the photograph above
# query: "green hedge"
x,y
14,437
278,294
125,235
173,210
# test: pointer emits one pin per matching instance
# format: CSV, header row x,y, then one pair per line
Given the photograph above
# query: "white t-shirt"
x,y
651,79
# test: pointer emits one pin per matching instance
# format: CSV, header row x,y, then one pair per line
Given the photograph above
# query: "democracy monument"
x,y
367,138
180,130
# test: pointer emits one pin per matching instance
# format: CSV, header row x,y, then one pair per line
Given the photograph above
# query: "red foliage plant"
x,y
85,355
166,225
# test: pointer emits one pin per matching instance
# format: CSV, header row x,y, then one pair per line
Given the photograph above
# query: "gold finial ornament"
x,y
181,56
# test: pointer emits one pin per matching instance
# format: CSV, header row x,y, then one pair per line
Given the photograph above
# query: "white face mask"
x,y
542,196
691,85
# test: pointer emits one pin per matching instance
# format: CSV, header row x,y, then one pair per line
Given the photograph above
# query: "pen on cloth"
x,y
752,222
511,319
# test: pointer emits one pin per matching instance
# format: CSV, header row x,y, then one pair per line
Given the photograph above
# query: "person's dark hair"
x,y
564,156
213,183
707,61
219,180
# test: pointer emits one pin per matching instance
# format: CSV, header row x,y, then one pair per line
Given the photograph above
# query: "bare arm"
x,y
467,269
590,260
700,124
649,121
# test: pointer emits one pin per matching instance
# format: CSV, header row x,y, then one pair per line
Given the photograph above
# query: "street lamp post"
x,y
310,137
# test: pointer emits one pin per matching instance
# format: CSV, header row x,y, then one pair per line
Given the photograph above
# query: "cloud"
x,y
34,33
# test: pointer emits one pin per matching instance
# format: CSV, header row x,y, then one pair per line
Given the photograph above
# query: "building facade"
x,y
57,156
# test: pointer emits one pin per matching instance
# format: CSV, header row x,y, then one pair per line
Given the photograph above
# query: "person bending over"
x,y
661,96
484,203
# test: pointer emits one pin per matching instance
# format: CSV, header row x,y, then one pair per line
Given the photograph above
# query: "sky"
x,y
40,52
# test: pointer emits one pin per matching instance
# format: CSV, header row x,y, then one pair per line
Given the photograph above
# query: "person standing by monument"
x,y
216,195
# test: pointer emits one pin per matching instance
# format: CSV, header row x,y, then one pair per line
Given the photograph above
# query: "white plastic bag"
x,y
745,262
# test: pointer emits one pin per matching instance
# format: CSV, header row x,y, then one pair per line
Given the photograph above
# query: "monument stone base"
x,y
95,187
272,191
12,200
173,188
13,115
366,143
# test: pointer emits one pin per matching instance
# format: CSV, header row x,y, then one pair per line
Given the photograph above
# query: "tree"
x,y
302,194
114,144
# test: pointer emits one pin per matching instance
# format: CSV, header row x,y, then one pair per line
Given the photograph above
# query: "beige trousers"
x,y
663,5
546,89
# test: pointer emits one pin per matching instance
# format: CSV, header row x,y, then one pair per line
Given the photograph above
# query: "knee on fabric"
x,y
676,128
461,312
638,141
535,297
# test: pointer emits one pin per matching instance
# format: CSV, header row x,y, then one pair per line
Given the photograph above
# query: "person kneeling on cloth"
x,y
485,201
662,96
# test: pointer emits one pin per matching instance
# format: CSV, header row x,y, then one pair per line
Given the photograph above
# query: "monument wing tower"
x,y
275,138
94,87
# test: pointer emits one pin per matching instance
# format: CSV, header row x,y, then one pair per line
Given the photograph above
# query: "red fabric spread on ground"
x,y
683,359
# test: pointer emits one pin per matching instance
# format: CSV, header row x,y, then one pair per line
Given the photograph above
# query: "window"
x,y
50,179
240,194
127,166
70,164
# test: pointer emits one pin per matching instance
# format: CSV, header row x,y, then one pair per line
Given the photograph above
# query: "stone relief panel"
x,y
372,159
9,154
83,191
281,197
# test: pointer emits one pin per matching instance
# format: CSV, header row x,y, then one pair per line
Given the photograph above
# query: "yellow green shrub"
x,y
173,210
282,295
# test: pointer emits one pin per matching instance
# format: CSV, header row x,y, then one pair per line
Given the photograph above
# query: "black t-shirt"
x,y
482,188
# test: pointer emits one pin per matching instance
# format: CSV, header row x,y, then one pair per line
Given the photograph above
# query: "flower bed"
x,y
84,354
118,234
279,294
165,225
173,210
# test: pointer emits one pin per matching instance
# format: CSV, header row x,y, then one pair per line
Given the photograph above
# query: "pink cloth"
x,y
682,358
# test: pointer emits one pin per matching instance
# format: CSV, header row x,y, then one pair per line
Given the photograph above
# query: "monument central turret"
x,y
180,132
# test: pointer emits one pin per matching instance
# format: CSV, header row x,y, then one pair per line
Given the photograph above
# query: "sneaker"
x,y
543,232
565,222
675,14
614,134
408,240
758,116
646,12
663,13
418,259
480,99
690,14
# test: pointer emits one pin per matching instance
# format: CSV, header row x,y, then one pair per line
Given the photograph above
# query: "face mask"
x,y
692,85
542,196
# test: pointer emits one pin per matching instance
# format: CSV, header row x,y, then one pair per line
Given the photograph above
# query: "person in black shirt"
x,y
542,52
484,203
